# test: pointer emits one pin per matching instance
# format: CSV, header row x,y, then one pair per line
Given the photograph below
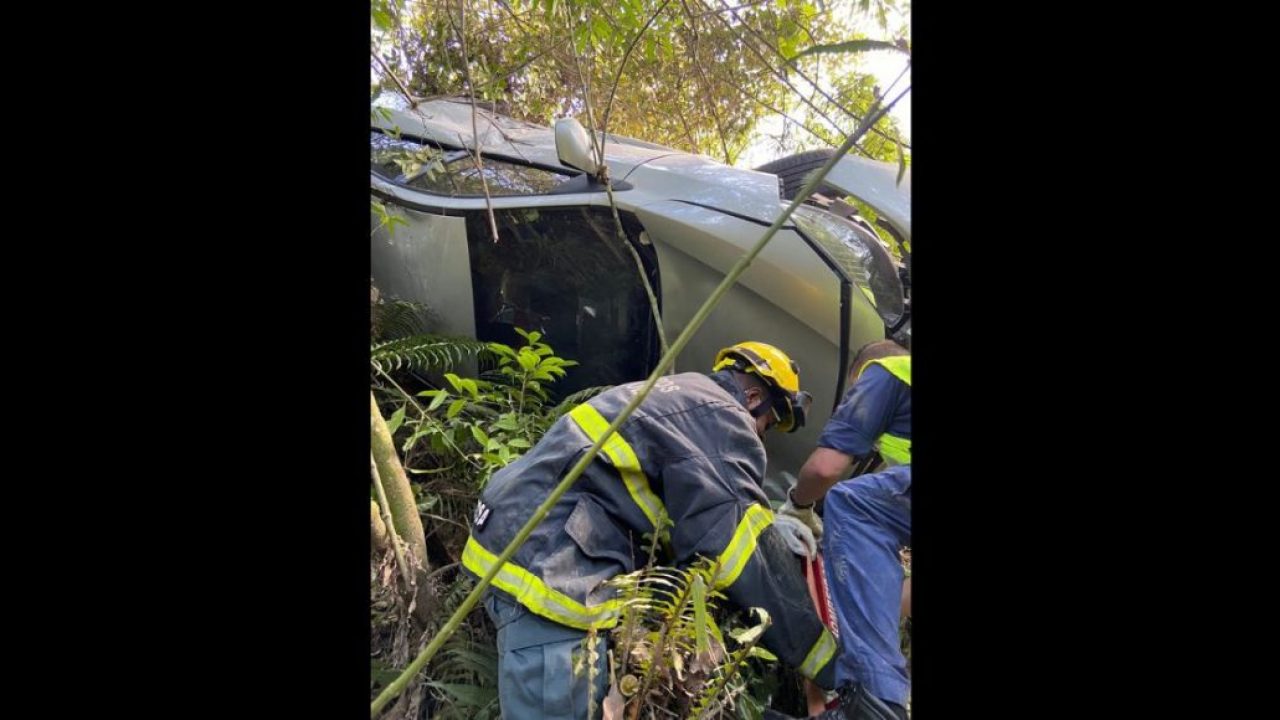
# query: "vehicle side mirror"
x,y
573,146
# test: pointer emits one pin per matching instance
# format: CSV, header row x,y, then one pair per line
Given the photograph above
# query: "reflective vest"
x,y
895,450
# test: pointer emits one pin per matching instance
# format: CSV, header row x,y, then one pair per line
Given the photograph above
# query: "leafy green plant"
x,y
401,341
670,655
488,423
385,217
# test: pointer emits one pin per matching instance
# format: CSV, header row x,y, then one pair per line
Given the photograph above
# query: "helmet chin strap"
x,y
767,400
762,409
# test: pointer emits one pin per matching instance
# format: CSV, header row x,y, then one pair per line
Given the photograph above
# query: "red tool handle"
x,y
817,581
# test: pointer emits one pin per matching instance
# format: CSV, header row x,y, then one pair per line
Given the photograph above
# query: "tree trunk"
x,y
404,509
379,541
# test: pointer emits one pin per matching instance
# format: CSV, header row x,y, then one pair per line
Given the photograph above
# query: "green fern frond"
x,y
424,352
471,661
397,318
576,399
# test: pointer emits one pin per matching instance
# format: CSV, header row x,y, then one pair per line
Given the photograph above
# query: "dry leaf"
x,y
613,704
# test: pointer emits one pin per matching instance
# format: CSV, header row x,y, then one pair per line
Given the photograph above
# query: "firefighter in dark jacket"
x,y
692,451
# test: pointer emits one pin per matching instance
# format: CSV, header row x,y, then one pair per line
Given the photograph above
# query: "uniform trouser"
x,y
536,658
866,520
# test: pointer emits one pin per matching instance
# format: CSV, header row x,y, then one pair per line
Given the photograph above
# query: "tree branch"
x,y
603,173
724,144
471,93
413,103
617,77
789,61
781,76
739,7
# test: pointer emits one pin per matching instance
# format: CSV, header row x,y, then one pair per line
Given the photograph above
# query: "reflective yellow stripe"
x,y
819,655
742,545
896,450
898,366
623,458
530,591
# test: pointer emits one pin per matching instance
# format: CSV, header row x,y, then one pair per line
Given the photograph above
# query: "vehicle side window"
x,y
565,273
395,158
453,172
503,178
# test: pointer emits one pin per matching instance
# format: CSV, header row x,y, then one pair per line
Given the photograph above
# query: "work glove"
x,y
805,515
797,535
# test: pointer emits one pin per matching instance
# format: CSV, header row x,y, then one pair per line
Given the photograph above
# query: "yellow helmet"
x,y
779,372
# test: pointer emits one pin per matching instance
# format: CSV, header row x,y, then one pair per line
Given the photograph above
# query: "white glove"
x,y
798,536
805,516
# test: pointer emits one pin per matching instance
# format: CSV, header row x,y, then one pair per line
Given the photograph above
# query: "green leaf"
x,y
787,45
759,652
850,46
382,19
396,418
455,407
600,28
454,381
438,401
434,471
749,708
519,443
408,444
480,435
502,350
748,636
527,359
700,614
745,636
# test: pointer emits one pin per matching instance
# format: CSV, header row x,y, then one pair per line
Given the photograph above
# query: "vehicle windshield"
x,y
861,256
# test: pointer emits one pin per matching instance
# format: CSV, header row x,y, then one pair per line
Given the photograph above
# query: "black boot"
x,y
855,704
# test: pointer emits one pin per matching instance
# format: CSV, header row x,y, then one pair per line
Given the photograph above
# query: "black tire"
x,y
793,169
